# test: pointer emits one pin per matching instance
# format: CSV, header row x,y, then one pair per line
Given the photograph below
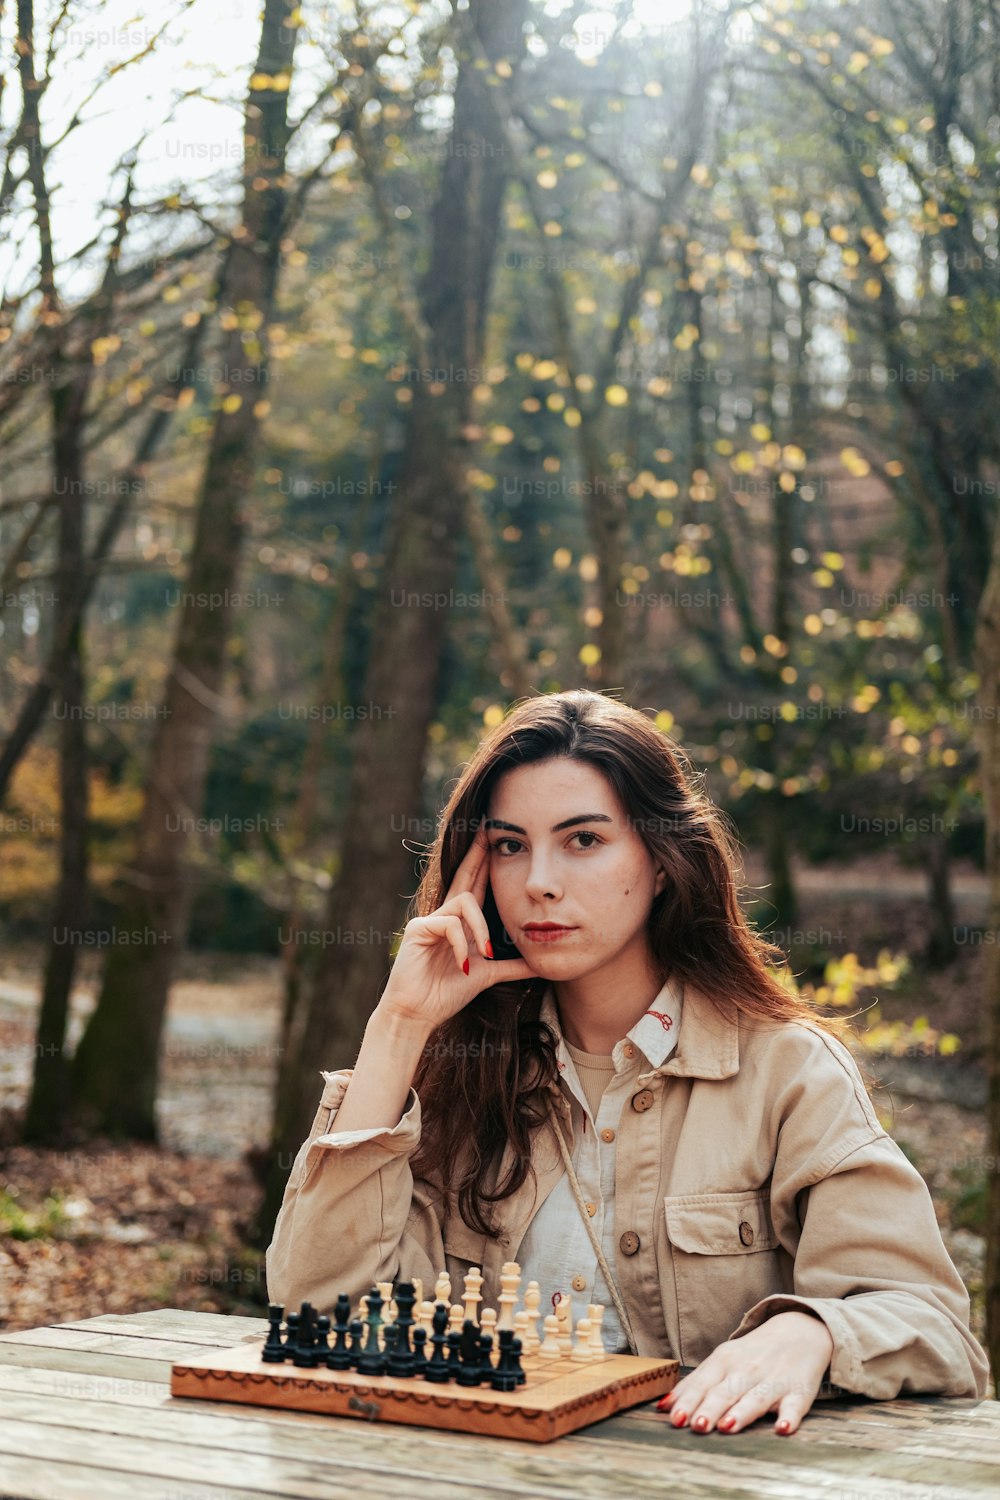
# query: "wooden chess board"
x,y
559,1396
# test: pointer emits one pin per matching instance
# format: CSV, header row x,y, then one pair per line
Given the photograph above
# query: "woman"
x,y
625,1099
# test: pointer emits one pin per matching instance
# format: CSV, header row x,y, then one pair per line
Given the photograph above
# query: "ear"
x,y
661,880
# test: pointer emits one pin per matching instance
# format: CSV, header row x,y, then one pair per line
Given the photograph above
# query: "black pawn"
x,y
454,1353
515,1359
339,1357
437,1369
504,1377
357,1329
485,1356
273,1352
291,1334
371,1360
322,1341
420,1363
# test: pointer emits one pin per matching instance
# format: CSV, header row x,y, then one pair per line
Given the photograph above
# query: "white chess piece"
x,y
564,1319
425,1317
582,1349
442,1289
488,1324
510,1281
595,1313
456,1317
472,1296
550,1345
532,1311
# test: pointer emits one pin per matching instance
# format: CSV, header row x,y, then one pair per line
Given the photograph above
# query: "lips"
x,y
547,927
546,932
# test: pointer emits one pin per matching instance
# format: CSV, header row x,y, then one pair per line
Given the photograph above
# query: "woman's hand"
x,y
445,960
778,1366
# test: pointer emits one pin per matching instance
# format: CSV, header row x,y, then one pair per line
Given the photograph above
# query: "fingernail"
x,y
465,967
727,1422
489,948
783,1425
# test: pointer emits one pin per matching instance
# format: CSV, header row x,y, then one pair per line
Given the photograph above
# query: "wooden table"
x,y
86,1414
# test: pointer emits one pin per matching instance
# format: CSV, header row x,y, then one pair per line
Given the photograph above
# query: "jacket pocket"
x,y
463,1248
726,1257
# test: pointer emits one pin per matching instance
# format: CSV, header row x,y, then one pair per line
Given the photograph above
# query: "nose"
x,y
541,883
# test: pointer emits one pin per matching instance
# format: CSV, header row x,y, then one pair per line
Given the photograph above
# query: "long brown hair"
x,y
484,1078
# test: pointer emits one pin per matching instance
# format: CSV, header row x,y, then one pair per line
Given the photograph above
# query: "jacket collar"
x,y
706,1045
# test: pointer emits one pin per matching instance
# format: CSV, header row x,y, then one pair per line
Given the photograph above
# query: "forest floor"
x,y
104,1228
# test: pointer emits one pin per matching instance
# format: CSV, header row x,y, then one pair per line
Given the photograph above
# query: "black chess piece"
x,y
371,1360
291,1334
470,1367
400,1361
357,1329
305,1353
454,1353
273,1352
322,1339
420,1362
339,1357
504,1376
437,1371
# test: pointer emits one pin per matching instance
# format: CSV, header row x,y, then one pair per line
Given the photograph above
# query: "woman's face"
x,y
597,878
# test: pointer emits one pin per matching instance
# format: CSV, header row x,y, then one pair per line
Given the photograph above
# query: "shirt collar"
x,y
654,1034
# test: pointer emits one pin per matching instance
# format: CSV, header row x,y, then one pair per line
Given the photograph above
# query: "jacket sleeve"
x,y
352,1213
869,1259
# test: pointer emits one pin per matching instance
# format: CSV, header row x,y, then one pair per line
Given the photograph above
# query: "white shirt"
x,y
556,1250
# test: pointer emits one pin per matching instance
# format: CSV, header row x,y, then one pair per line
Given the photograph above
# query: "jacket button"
x,y
591,1209
579,1283
607,1135
643,1100
746,1233
629,1242
629,1050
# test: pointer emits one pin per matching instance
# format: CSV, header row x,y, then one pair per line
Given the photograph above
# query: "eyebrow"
x,y
557,827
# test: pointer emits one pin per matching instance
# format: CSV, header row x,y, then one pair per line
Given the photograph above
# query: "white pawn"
x,y
442,1289
532,1311
425,1317
564,1321
550,1345
456,1317
582,1350
389,1303
595,1312
521,1329
488,1324
472,1296
418,1291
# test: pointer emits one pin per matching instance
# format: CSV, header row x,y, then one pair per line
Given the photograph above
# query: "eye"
x,y
586,834
495,846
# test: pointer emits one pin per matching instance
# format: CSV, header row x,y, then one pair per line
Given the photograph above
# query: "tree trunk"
x,y
987,660
116,1067
363,909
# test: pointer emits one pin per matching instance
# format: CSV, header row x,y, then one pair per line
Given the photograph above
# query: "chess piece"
x,y
454,1353
357,1330
550,1344
470,1360
442,1289
582,1349
385,1290
504,1377
472,1295
437,1368
532,1311
425,1316
456,1318
305,1353
521,1325
488,1321
400,1361
595,1312
510,1280
273,1352
339,1357
420,1362
564,1318
322,1337
371,1360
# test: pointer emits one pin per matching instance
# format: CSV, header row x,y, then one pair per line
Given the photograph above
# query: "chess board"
x,y
559,1395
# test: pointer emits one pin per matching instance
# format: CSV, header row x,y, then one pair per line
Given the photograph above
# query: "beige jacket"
x,y
752,1177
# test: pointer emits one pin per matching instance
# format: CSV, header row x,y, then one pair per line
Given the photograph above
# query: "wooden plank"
x,y
84,1362
101,1342
27,1479
177,1322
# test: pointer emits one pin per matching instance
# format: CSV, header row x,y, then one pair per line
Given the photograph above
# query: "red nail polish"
x,y
666,1400
489,948
783,1425
701,1423
465,967
680,1417
727,1422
